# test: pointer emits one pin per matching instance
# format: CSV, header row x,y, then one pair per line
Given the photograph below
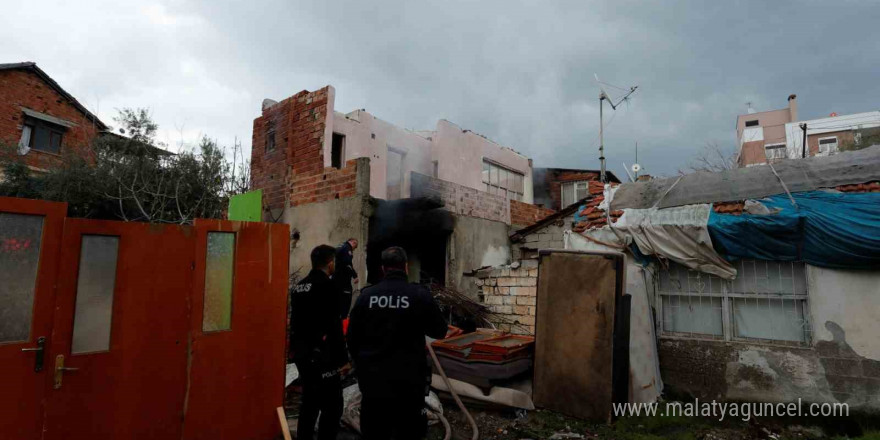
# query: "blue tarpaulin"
x,y
827,229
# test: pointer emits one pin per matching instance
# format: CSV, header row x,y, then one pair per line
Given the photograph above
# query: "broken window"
x,y
502,181
41,135
574,191
767,302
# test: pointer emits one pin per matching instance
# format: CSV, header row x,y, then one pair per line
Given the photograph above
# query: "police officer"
x,y
345,273
386,338
318,346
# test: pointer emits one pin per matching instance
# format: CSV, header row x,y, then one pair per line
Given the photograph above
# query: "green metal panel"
x,y
246,207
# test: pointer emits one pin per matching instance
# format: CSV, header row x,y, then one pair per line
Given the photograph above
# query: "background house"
x,y
42,119
558,188
761,135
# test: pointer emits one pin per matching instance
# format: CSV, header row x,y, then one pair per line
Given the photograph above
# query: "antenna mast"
x,y
602,98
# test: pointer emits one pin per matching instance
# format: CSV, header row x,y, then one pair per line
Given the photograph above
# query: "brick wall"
x,y
510,292
22,88
461,199
298,123
524,214
329,184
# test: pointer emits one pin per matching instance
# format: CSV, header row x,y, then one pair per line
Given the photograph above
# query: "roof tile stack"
x,y
595,217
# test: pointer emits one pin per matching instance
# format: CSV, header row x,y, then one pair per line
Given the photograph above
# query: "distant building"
x,y
760,135
41,119
778,134
557,188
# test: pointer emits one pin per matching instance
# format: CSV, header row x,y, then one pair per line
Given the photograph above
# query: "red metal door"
x,y
30,236
121,326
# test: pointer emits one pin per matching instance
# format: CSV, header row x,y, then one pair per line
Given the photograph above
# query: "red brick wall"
x,y
22,88
328,184
525,214
556,178
299,123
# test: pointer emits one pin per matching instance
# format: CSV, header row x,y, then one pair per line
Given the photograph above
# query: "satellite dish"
x,y
636,168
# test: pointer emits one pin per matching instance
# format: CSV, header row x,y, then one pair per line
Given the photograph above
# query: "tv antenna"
x,y
602,98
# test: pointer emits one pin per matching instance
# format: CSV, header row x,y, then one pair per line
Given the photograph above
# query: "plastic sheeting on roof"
x,y
826,229
753,182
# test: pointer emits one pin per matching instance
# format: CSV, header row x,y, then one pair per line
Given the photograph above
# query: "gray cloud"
x,y
519,74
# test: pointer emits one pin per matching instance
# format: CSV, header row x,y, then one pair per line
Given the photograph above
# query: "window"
x,y
41,135
502,181
270,135
574,191
219,274
752,123
767,302
775,151
20,237
435,169
337,152
827,146
93,312
394,174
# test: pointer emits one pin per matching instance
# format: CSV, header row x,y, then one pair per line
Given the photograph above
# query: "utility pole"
x,y
804,128
602,98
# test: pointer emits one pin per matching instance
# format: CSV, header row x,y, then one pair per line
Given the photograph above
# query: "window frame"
x,y
37,125
752,123
830,151
337,158
775,147
574,191
499,188
727,296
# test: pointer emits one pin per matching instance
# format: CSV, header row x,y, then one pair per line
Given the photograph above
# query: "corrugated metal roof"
x,y
808,174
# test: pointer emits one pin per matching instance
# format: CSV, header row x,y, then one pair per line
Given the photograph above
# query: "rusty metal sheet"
x,y
574,332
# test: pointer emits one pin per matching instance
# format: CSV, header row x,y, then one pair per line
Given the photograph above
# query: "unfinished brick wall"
x,y
511,293
328,184
23,88
524,214
461,199
298,124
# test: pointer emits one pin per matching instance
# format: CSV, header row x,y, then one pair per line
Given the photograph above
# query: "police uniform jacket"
x,y
386,334
316,329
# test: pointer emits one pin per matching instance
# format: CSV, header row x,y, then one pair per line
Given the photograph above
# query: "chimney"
x,y
792,107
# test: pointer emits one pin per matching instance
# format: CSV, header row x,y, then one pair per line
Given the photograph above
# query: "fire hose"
x,y
475,430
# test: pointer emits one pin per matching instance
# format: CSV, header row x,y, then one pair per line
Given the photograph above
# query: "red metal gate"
x,y
158,331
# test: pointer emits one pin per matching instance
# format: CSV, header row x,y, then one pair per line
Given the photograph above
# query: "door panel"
x,y
121,325
574,332
30,236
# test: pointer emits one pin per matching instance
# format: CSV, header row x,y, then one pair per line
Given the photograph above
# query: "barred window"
x,y
767,302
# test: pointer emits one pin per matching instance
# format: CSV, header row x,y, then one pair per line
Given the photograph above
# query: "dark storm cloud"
x,y
521,74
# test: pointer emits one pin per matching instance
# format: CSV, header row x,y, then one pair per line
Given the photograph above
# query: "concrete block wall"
x,y
523,214
551,236
511,292
461,199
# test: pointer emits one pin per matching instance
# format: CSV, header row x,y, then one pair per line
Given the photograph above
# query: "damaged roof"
x,y
847,168
32,67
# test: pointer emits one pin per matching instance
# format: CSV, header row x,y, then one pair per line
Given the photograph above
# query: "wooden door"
x,y
121,324
30,236
574,332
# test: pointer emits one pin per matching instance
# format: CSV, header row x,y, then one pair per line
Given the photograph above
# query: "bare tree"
x,y
712,157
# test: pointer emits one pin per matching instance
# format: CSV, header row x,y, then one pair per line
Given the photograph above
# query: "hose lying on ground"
x,y
476,432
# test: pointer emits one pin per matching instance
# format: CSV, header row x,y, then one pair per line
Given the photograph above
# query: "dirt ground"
x,y
543,425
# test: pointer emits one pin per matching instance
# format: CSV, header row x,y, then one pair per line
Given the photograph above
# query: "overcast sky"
x,y
520,74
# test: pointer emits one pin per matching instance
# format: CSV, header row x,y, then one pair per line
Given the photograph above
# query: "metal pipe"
x,y
601,141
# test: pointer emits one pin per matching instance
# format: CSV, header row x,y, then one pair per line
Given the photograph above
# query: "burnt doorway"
x,y
417,225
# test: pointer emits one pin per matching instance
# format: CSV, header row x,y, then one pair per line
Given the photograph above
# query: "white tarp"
x,y
680,234
645,382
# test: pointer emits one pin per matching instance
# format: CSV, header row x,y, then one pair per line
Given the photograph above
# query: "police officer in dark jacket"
x,y
386,338
318,346
345,273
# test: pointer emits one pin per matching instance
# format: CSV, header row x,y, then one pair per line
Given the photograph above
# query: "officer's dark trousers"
x,y
393,414
320,395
